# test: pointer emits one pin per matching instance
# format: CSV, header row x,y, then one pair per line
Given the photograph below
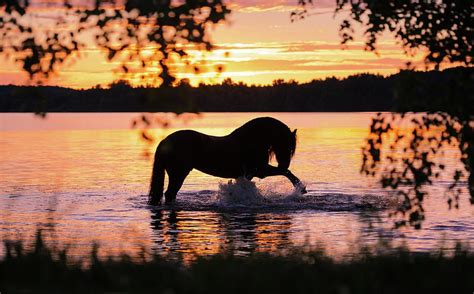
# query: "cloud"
x,y
279,5
315,65
304,46
250,62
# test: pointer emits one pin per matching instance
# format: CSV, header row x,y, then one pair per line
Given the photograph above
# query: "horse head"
x,y
284,149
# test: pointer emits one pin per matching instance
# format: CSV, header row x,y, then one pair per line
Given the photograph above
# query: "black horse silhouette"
x,y
244,152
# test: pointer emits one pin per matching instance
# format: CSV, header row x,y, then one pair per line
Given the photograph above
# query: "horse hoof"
x,y
303,190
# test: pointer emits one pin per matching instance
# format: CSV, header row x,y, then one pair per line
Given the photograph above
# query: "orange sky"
x,y
257,45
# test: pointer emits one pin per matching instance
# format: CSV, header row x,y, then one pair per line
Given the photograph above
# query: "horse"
x,y
246,152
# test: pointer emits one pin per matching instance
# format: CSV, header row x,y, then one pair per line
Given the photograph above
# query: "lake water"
x,y
83,178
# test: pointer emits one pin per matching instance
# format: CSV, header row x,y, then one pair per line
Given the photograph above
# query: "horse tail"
x,y
157,181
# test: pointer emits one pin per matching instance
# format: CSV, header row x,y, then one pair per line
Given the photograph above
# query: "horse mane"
x,y
271,150
264,123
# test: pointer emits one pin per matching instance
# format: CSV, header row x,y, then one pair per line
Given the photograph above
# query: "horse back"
x,y
218,156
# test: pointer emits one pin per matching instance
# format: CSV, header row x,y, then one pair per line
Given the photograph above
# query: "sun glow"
x,y
256,46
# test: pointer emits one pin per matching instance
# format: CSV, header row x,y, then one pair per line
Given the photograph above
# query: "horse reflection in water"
x,y
245,152
212,232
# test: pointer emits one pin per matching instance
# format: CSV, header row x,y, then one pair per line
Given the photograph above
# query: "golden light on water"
x,y
90,185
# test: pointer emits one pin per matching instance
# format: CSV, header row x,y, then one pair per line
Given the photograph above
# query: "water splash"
x,y
244,195
242,192
239,192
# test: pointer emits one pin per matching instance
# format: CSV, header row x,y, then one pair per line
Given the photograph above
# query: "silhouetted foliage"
x,y
445,30
45,269
447,120
43,35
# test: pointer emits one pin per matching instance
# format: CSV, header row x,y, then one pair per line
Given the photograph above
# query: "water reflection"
x,y
255,232
213,232
239,232
86,186
189,235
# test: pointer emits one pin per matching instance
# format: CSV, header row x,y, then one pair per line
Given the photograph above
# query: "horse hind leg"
x,y
176,180
157,182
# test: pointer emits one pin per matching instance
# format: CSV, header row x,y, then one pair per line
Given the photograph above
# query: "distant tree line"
x,y
362,92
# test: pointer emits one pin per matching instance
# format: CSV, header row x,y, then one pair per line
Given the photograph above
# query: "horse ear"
x,y
294,132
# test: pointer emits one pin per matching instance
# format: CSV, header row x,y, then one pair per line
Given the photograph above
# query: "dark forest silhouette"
x,y
363,92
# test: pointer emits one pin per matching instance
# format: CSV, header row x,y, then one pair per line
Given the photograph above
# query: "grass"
x,y
46,269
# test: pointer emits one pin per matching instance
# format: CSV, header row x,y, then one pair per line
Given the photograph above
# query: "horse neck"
x,y
266,135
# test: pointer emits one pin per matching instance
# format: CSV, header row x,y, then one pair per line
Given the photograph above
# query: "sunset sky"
x,y
257,45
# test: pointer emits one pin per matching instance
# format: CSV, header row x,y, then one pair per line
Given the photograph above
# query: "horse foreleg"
x,y
269,170
176,180
295,181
